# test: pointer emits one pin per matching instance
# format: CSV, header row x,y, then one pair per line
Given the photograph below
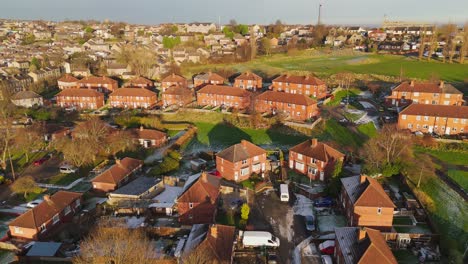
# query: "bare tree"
x,y
200,255
253,44
422,43
25,185
266,46
110,244
76,151
140,59
433,43
28,139
119,141
464,45
449,31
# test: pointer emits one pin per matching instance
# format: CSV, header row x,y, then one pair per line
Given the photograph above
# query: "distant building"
x,y
306,85
208,78
249,81
80,99
140,82
101,84
27,99
132,98
173,80
177,95
67,81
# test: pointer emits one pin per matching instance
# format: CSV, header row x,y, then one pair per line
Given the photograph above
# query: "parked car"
x,y
41,161
67,169
323,202
326,259
272,258
327,247
309,222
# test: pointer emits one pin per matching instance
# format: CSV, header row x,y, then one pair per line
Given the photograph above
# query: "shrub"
x,y
2,179
245,211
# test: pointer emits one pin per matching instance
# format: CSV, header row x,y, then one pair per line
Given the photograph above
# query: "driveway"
x,y
270,214
49,169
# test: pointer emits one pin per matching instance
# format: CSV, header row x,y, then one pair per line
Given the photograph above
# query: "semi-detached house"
x,y
296,106
306,85
219,95
80,99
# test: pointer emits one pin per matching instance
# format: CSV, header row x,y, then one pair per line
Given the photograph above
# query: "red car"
x,y
41,161
327,247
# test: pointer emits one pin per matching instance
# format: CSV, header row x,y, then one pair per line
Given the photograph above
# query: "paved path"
x,y
159,152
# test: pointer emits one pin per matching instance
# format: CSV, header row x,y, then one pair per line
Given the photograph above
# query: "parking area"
x,y
280,218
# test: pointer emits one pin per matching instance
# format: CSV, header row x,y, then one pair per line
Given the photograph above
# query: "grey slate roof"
x,y
352,187
25,95
346,237
44,249
137,186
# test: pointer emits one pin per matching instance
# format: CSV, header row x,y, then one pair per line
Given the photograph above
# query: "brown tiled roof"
x,y
132,92
289,98
148,133
436,110
224,90
205,188
299,79
25,95
80,92
98,80
366,191
173,78
210,76
177,90
320,151
44,211
220,241
118,172
68,78
140,80
248,76
241,151
427,88
363,246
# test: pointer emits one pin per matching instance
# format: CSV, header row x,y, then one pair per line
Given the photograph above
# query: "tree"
x,y
171,42
140,59
88,29
245,211
464,45
28,39
35,64
78,152
109,243
28,139
266,46
119,141
386,152
433,43
253,45
449,31
200,255
422,43
25,185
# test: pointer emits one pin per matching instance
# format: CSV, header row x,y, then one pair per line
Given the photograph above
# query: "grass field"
x,y
338,96
324,65
368,129
449,157
459,176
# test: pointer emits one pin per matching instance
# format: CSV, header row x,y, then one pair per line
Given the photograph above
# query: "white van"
x,y
259,239
67,169
284,193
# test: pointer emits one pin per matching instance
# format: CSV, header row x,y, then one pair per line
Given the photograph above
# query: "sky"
x,y
363,12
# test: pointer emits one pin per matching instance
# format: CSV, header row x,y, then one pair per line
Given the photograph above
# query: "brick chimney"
x,y
441,85
204,177
362,234
118,162
47,198
307,77
214,231
412,83
362,178
141,128
314,142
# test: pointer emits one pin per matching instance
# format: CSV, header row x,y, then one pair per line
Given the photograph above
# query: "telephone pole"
x,y
319,15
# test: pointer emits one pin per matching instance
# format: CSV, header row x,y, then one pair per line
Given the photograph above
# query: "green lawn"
x,y
402,220
338,96
63,178
368,129
344,137
324,65
459,176
405,257
172,133
449,157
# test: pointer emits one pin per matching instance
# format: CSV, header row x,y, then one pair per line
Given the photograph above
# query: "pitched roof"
x,y
370,247
209,76
320,151
25,95
289,98
204,188
177,90
224,90
312,80
119,171
148,133
425,87
248,76
436,110
126,91
140,80
366,191
68,78
241,151
98,80
80,92
44,211
220,241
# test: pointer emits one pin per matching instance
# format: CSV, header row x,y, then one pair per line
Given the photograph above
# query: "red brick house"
x,y
249,81
177,95
49,214
67,81
361,245
133,98
149,137
208,78
218,243
365,203
117,175
315,159
425,93
239,161
220,95
438,119
296,106
173,80
140,82
80,99
198,202
306,85
101,84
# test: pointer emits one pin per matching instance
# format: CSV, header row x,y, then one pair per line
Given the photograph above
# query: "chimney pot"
x,y
117,161
314,142
214,231
362,234
412,83
441,85
47,198
141,128
362,179
204,177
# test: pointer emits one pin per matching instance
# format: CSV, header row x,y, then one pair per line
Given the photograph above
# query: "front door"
x,y
447,131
